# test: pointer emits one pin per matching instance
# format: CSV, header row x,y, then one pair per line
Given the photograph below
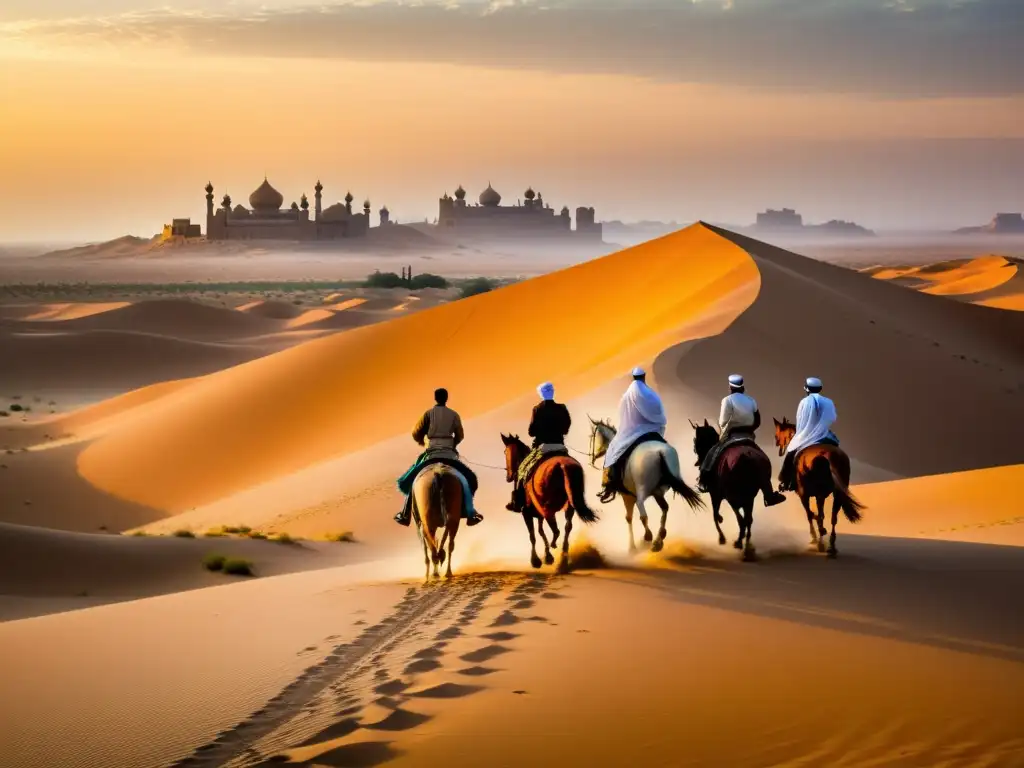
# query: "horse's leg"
x,y
437,558
563,561
738,544
640,499
553,525
806,501
528,519
548,557
662,532
748,518
426,554
454,527
832,551
820,501
716,503
630,504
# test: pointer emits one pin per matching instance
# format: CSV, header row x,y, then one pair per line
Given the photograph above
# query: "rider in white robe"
x,y
640,413
814,419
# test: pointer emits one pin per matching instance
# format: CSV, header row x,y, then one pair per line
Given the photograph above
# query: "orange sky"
x,y
99,142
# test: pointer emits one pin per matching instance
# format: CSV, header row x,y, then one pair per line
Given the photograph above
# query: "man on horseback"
x,y
641,418
548,426
814,419
440,431
738,421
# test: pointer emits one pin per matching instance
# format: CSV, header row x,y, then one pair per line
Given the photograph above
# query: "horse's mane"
x,y
604,423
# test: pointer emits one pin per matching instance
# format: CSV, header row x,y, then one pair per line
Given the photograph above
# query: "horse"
x,y
437,503
745,471
821,471
650,472
556,485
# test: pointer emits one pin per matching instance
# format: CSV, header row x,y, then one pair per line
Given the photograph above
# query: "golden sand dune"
x,y
74,311
96,568
339,394
918,380
341,306
991,281
274,310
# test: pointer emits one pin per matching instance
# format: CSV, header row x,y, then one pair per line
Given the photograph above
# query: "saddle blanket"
x,y
536,456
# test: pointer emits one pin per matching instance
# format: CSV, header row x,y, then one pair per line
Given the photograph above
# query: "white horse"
x,y
651,472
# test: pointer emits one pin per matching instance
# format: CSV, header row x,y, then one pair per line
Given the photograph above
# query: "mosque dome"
x,y
529,194
349,198
490,197
460,193
266,198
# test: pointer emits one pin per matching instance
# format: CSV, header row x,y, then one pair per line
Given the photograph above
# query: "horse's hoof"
x,y
563,565
721,541
440,558
535,561
657,545
554,543
648,536
548,559
738,544
749,555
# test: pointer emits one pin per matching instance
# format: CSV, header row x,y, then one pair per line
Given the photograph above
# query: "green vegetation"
x,y
391,280
184,533
346,537
236,566
476,286
16,407
214,562
135,289
241,530
214,533
283,538
260,535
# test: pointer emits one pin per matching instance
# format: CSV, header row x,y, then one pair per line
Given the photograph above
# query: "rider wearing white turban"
x,y
548,426
814,419
641,415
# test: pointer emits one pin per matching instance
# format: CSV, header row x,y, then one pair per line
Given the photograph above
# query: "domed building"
x,y
529,217
267,218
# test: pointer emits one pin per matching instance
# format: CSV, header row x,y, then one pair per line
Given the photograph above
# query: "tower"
x,y
348,201
209,206
385,216
318,199
366,210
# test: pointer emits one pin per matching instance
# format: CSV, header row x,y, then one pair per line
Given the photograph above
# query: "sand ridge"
x,y
991,281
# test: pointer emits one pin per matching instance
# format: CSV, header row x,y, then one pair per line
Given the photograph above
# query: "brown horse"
x,y
821,471
437,503
742,473
556,485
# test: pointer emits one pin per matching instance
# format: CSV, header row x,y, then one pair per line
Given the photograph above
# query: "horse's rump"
x,y
744,453
557,482
440,481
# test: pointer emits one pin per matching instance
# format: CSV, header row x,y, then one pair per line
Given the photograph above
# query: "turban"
x,y
546,390
812,384
735,380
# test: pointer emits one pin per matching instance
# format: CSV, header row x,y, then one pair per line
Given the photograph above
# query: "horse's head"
x,y
704,438
515,452
601,434
784,432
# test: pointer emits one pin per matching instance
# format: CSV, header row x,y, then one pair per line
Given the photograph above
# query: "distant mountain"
x,y
1001,224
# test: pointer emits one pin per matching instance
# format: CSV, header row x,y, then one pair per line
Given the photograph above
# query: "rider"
x,y
641,418
441,427
738,419
548,426
814,419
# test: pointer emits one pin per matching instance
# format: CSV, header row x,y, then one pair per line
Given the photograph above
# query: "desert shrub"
x,y
345,536
257,535
4,414
283,538
184,533
240,530
384,280
427,280
215,533
475,287
214,562
236,566
16,407
139,533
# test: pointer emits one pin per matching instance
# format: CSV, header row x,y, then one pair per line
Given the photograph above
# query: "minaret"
x,y
209,206
318,198
366,210
348,201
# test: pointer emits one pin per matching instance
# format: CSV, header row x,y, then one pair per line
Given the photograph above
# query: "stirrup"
x,y
475,518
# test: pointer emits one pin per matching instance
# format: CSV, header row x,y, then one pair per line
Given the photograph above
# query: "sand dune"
x,y
991,281
274,310
338,394
74,311
44,570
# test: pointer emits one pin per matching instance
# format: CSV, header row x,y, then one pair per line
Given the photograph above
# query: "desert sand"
x,y
906,650
990,280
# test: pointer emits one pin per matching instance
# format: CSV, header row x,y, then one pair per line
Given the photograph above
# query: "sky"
x,y
898,114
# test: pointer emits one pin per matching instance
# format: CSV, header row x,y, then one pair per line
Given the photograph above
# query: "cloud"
x,y
900,48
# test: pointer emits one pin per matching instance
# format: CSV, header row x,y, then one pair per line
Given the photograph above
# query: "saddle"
x,y
649,437
538,456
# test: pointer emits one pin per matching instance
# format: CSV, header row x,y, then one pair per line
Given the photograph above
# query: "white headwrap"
x,y
546,390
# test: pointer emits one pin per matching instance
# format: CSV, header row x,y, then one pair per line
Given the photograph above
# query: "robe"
x,y
640,412
814,419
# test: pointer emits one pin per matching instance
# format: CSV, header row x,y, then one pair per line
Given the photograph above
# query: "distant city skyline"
x,y
896,115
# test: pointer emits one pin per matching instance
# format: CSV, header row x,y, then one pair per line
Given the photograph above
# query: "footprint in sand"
x,y
521,604
486,653
420,666
364,754
449,633
478,671
391,687
507,618
552,596
399,720
501,637
447,691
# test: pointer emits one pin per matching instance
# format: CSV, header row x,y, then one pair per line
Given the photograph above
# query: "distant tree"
x,y
476,286
384,280
427,280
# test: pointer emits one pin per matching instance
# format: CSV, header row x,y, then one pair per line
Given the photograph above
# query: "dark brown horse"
x,y
743,471
821,471
556,485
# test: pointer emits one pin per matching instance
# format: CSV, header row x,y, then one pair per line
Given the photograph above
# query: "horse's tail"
x,y
572,471
436,492
850,506
672,477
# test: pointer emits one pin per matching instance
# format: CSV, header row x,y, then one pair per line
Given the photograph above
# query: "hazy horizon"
x,y
897,115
